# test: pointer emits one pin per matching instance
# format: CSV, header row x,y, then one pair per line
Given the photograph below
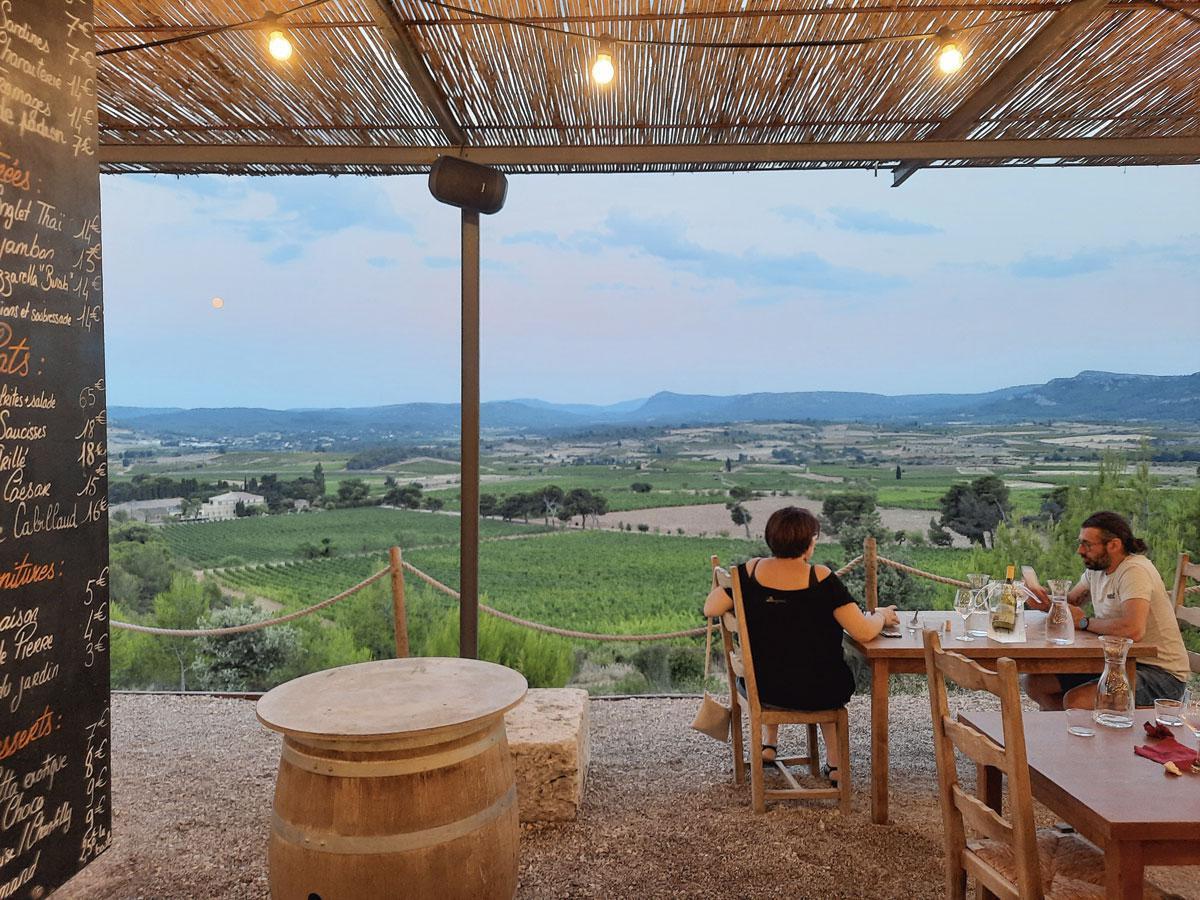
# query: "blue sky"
x,y
595,289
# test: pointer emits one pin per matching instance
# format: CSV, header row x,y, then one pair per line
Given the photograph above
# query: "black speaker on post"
x,y
467,185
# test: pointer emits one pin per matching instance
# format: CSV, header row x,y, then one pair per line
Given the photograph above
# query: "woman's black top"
x,y
797,642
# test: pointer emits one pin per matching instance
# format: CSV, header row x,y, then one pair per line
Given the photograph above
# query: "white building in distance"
x,y
151,511
223,506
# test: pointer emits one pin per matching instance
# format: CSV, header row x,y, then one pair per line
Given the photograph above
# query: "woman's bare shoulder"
x,y
821,572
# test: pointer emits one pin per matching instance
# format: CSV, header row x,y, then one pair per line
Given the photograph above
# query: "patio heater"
x,y
474,189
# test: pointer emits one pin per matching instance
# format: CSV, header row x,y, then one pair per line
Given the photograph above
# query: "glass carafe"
x,y
1114,698
977,624
1060,625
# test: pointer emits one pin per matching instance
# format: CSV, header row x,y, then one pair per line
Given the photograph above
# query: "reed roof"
x,y
381,86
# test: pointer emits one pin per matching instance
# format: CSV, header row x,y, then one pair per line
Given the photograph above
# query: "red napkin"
x,y
1165,748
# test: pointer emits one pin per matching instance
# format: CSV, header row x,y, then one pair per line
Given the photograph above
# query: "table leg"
x,y
880,676
1123,873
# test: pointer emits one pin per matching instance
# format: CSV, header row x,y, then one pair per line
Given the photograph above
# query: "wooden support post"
x,y
871,567
398,611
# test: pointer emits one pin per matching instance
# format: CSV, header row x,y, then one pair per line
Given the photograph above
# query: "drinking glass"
x,y
1080,723
1168,712
964,600
1191,711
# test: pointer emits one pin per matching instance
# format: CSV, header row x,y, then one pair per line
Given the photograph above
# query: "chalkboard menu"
x,y
55,810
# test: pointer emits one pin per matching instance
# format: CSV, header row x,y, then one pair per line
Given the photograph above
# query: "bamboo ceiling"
x,y
386,85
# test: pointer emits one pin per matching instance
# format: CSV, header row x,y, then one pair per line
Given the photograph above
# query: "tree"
x,y
354,492
897,472
182,606
433,504
319,478
739,494
640,487
407,496
488,504
739,515
974,510
849,509
728,464
241,662
939,536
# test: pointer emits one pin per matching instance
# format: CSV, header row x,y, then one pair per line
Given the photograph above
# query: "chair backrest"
x,y
730,633
1186,570
746,661
962,811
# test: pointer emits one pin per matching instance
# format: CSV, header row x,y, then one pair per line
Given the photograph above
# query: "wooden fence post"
x,y
871,567
398,611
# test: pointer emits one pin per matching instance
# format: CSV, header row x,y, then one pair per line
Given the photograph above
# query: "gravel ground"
x,y
193,781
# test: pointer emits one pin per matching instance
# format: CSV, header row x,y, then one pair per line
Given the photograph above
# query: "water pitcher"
x,y
1114,698
1060,626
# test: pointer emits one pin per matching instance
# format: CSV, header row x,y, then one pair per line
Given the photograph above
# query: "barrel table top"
x,y
391,698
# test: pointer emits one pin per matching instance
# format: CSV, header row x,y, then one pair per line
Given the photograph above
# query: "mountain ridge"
x,y
1090,396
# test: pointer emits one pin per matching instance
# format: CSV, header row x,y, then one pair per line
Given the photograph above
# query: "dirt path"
x,y
713,518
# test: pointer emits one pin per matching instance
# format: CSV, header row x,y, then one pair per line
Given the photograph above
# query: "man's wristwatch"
x,y
1083,623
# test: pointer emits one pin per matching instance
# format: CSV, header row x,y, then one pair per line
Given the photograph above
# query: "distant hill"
x,y
1087,397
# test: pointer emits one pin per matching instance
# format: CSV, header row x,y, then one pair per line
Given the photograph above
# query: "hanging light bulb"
x,y
603,69
950,57
278,45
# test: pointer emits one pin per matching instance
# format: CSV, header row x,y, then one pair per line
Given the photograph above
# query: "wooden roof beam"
x,y
213,156
1050,38
409,57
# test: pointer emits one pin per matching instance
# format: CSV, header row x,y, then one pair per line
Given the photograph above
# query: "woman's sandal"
x,y
830,772
772,749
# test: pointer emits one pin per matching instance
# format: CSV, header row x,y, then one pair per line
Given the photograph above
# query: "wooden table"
x,y
1117,800
395,773
906,655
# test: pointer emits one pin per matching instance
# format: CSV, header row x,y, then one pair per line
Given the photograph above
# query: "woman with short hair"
x,y
796,612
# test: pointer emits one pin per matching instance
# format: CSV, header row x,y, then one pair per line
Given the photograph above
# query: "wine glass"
x,y
964,600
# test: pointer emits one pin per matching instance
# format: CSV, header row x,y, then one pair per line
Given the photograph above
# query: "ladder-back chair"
x,y
1184,614
1013,860
739,660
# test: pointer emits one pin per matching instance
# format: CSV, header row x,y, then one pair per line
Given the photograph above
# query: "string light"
x,y
949,57
603,69
279,46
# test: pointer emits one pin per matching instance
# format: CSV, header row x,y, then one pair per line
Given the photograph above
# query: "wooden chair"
x,y
739,661
1012,860
1184,614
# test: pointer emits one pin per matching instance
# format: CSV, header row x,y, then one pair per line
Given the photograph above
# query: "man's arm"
x,y
1131,623
1080,594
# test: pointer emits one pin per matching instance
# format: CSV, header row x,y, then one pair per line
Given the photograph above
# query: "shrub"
x,y
545,660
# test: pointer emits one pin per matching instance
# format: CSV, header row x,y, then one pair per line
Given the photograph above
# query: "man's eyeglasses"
x,y
1093,543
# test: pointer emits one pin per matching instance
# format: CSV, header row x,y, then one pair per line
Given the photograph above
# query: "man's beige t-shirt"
x,y
1137,577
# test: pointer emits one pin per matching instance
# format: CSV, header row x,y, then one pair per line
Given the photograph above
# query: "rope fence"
x,y
869,558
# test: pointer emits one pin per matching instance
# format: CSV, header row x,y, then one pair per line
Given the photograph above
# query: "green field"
x,y
277,538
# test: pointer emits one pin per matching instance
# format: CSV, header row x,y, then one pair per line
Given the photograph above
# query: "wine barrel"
x,y
427,810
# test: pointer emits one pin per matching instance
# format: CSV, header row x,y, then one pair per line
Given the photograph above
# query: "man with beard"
x,y
1128,599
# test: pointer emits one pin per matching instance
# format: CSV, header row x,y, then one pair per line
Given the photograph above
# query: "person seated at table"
x,y
1130,600
796,612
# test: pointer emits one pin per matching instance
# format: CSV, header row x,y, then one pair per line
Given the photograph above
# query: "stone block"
x,y
548,737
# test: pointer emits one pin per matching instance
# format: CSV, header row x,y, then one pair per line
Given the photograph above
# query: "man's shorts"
x,y
1153,684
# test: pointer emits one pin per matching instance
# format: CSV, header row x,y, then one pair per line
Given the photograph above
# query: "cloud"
x,y
382,262
792,213
1085,262
664,239
868,221
441,262
284,253
537,238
